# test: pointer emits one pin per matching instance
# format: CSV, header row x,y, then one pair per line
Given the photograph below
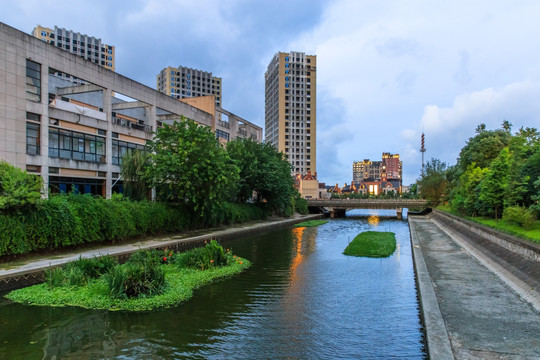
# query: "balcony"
x,y
131,125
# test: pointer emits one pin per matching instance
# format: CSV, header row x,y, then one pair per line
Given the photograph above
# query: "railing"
x,y
131,124
224,124
367,202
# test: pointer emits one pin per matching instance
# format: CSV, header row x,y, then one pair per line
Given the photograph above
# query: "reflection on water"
x,y
302,298
373,220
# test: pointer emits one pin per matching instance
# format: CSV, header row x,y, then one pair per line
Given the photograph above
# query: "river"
x,y
301,299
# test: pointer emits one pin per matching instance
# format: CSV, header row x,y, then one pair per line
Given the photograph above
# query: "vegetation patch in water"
x,y
311,223
372,244
151,279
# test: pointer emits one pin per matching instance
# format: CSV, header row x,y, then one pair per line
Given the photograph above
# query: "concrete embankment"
x,y
31,271
479,290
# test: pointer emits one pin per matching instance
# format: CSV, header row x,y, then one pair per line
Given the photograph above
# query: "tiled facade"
x,y
291,110
74,135
183,82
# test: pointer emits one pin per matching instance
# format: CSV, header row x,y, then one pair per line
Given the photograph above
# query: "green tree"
x,y
433,182
494,185
134,165
483,148
465,195
265,175
19,190
188,165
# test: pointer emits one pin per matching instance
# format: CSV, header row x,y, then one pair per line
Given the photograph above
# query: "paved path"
x,y
29,271
469,312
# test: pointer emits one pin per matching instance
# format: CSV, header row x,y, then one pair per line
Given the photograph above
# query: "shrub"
x,y
19,190
80,271
212,254
519,215
142,275
300,205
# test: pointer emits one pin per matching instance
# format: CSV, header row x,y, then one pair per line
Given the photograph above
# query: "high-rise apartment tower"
x,y
87,47
291,110
183,82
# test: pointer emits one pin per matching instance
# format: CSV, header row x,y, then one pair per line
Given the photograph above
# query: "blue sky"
x,y
387,70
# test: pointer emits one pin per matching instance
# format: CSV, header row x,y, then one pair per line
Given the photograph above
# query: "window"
x,y
33,81
77,146
222,134
32,138
120,148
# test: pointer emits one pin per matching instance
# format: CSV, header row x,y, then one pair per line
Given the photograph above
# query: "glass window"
x,y
32,138
77,146
33,81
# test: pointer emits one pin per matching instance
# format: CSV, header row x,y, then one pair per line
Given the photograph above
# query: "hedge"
x,y
66,220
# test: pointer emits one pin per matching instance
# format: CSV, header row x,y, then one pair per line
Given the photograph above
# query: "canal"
x,y
301,299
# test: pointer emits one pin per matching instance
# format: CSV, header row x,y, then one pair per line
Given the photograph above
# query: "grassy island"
x,y
372,244
151,279
311,223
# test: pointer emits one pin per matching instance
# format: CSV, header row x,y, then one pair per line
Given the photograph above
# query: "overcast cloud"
x,y
387,70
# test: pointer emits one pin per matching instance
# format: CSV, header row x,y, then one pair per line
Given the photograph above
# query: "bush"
x,y
79,272
73,219
212,254
300,205
18,190
519,215
141,276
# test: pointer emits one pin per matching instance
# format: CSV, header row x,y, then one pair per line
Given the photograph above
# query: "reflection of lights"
x,y
297,233
373,220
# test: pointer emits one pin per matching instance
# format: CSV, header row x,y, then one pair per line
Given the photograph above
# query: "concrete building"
x,y
291,110
74,135
183,82
85,46
226,125
376,177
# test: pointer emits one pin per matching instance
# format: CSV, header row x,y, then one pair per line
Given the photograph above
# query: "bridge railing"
x,y
352,202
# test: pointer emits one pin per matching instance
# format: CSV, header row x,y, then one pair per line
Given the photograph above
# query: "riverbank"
x,y
27,272
468,293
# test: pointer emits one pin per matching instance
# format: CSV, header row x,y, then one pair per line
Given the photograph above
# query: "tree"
x,y
134,165
507,126
18,189
465,195
493,186
265,175
483,148
433,182
188,165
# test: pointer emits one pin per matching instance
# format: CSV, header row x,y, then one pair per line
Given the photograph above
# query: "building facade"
x,y
183,82
88,47
291,109
74,135
374,177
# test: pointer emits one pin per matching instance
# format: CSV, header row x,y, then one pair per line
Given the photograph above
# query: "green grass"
x,y
311,223
180,283
372,244
533,234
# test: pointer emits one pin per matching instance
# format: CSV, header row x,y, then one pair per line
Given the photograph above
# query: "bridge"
x,y
338,207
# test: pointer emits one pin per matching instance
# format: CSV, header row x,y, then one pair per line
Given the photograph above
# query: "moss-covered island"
x,y
311,223
372,244
150,280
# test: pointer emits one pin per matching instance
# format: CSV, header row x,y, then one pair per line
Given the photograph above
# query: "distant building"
x,y
88,47
183,82
308,186
375,177
290,108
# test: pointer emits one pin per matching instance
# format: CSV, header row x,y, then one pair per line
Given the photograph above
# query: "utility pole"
x,y
422,150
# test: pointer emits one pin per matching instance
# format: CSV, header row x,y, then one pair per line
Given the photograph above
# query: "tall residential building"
x,y
366,170
85,46
393,166
290,108
183,82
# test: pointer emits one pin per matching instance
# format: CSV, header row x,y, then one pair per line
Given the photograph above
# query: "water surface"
x,y
301,299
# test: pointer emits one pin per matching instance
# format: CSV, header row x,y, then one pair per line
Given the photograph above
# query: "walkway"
x,y
469,312
29,271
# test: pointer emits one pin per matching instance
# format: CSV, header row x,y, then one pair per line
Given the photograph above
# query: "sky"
x,y
386,70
